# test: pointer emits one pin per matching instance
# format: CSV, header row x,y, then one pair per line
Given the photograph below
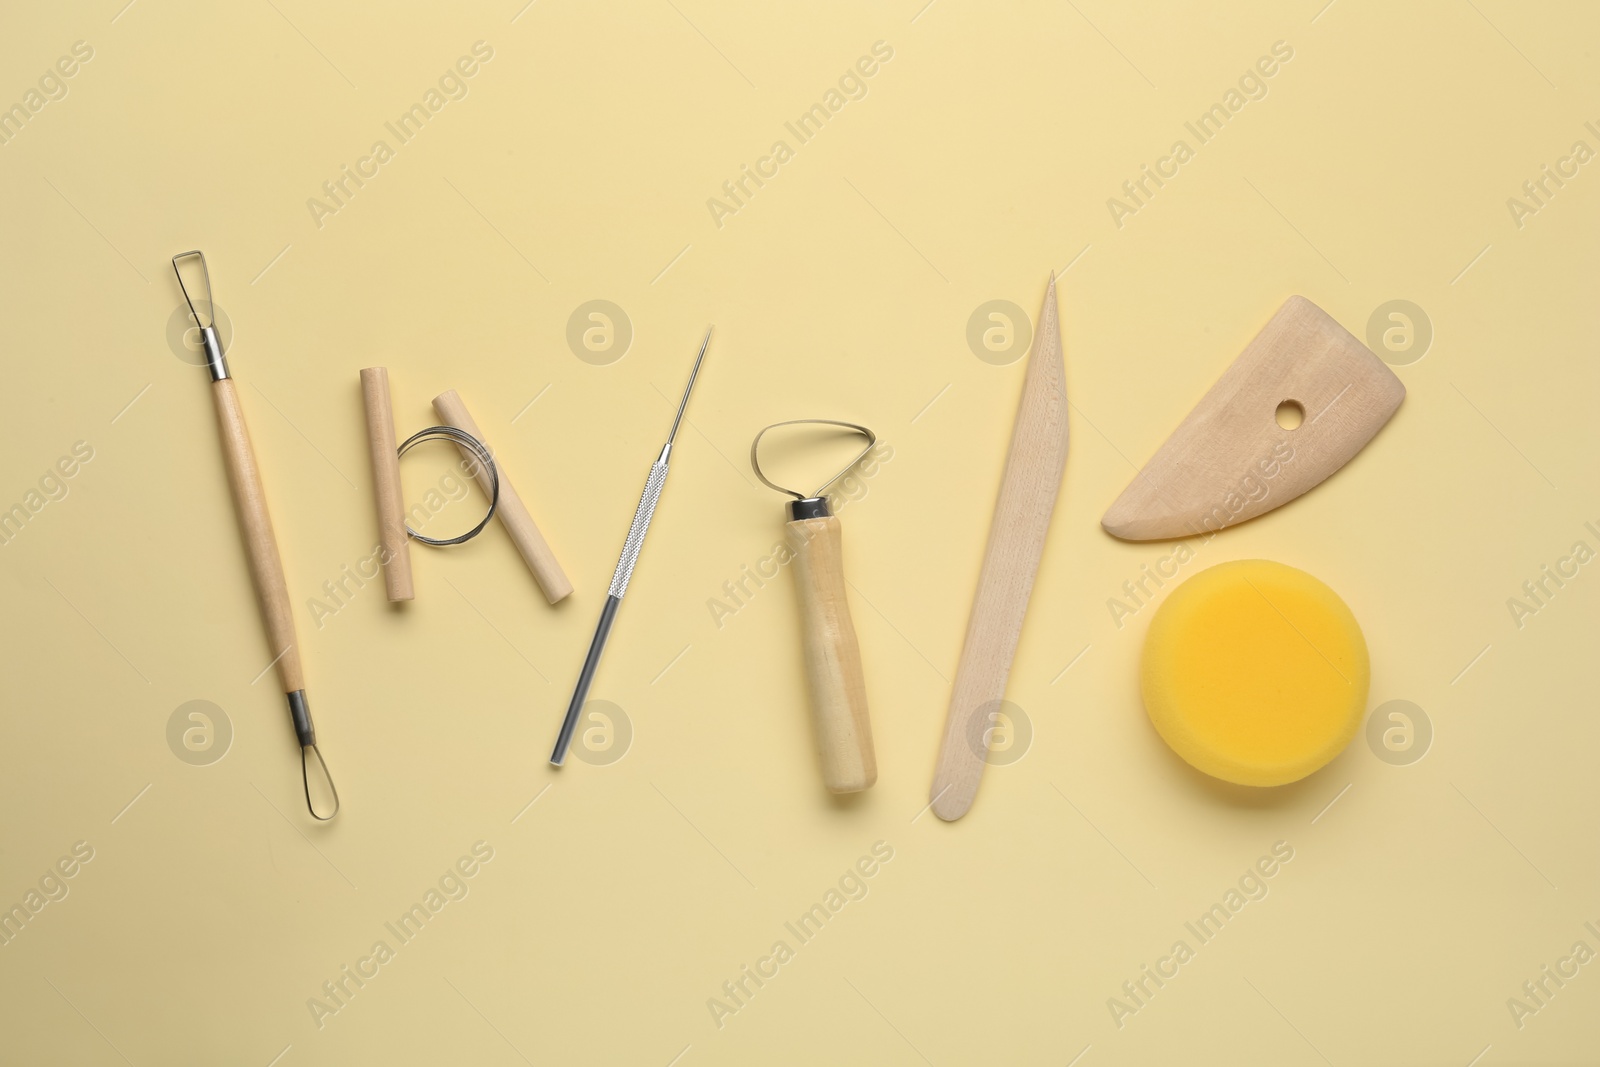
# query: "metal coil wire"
x,y
481,452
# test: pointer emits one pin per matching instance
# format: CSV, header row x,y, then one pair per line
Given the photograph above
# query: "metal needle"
x,y
624,571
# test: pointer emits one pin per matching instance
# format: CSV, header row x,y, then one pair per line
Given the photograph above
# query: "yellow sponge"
x,y
1255,673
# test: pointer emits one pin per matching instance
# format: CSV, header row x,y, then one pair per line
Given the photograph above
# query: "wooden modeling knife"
x,y
1027,498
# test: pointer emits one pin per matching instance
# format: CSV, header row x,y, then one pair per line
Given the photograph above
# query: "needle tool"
x,y
624,571
833,657
260,545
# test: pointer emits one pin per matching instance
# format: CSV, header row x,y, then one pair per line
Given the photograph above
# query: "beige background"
x,y
578,167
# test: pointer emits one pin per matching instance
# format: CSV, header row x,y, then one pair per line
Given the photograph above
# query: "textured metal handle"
x,y
641,524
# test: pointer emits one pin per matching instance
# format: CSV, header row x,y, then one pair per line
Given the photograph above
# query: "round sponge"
x,y
1255,673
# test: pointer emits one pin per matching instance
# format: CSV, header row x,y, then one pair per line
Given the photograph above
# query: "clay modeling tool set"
x,y
619,579
261,546
833,658
1028,488
1235,457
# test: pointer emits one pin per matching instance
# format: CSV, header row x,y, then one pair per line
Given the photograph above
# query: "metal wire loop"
x,y
206,300
481,452
872,439
306,752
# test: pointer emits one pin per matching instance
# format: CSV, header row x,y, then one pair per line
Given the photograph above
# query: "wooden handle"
x,y
265,566
386,484
518,523
833,659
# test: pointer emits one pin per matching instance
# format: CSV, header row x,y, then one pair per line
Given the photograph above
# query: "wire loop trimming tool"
x,y
834,674
261,546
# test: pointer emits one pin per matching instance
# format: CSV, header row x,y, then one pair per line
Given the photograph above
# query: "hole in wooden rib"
x,y
1290,414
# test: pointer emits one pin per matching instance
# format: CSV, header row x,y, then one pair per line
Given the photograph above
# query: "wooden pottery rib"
x,y
1028,489
1230,460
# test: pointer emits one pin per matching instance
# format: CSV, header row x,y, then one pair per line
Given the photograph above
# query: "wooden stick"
x,y
396,543
518,523
260,545
833,658
1028,490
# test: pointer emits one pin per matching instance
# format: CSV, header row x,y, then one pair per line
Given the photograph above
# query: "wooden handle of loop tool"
x,y
833,658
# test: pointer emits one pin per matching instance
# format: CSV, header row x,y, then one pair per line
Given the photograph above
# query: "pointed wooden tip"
x,y
1049,313
1140,514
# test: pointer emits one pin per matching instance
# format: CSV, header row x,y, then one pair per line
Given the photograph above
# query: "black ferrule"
x,y
812,507
300,712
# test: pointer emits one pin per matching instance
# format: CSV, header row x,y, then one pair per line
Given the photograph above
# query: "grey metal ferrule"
x,y
300,712
215,363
